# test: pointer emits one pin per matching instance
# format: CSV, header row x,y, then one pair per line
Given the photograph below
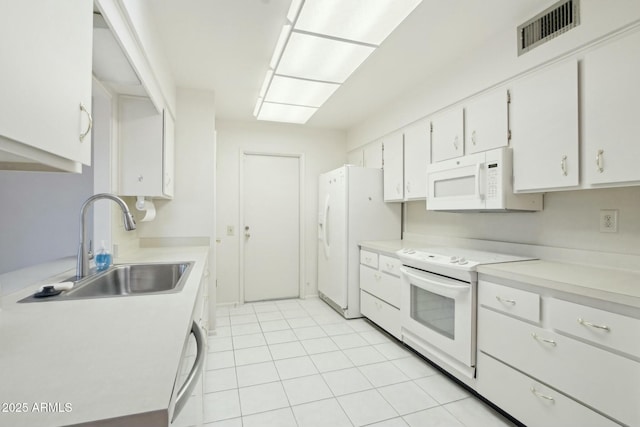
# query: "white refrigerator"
x,y
351,210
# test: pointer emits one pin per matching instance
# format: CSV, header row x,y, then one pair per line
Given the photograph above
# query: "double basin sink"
x,y
126,280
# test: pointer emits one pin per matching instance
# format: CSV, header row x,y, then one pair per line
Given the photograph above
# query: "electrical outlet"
x,y
230,230
609,221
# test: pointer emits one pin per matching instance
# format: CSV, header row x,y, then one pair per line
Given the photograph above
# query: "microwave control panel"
x,y
492,180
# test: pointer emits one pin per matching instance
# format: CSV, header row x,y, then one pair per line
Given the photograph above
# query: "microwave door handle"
x,y
477,176
185,391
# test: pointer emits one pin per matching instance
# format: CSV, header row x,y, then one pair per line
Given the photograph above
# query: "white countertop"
x,y
606,284
611,285
106,357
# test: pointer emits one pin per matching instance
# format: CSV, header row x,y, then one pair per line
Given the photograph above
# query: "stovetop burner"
x,y
454,258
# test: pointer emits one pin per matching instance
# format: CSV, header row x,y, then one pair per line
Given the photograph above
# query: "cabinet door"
x,y
392,154
141,144
168,154
486,122
447,135
46,76
545,129
373,155
416,158
611,112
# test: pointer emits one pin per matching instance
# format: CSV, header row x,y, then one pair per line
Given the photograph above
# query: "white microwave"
x,y
477,182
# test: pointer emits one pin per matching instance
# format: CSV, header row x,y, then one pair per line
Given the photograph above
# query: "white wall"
x,y
190,216
570,219
39,216
496,62
323,150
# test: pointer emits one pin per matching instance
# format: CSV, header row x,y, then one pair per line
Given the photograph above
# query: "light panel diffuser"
x,y
321,59
366,21
287,90
285,113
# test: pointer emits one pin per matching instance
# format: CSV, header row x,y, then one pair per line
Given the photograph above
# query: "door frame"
x,y
301,216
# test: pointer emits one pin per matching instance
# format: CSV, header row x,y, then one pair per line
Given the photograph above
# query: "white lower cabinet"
x,y
581,380
530,401
380,290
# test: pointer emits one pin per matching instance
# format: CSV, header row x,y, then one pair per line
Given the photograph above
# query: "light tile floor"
x,y
298,363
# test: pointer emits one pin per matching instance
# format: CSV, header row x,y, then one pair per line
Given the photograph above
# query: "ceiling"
x,y
226,45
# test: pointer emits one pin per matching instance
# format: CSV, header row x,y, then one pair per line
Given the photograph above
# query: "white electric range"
x,y
438,309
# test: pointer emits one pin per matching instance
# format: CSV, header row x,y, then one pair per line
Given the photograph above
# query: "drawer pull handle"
x,y
544,340
593,325
377,276
506,301
542,396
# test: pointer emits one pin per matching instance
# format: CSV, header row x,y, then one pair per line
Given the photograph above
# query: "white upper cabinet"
x,y
486,120
447,138
146,149
373,155
416,157
393,171
611,113
544,124
46,84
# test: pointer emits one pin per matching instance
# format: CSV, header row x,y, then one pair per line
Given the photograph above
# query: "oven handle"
x,y
432,283
185,391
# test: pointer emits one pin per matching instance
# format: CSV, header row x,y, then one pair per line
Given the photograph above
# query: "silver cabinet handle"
x,y
540,395
506,301
543,340
408,187
185,391
398,188
247,234
90,126
599,164
473,137
593,325
563,165
390,266
377,276
455,142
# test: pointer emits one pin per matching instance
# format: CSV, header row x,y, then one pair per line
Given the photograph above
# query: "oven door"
x,y
441,312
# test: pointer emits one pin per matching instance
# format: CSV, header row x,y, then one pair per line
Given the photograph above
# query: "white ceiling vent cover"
x,y
556,20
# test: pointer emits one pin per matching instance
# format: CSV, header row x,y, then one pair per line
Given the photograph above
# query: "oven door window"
x,y
434,311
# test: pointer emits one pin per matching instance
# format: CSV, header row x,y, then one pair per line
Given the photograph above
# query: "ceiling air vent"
x,y
558,19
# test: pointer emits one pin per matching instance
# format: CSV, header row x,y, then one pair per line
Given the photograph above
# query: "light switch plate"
x,y
609,221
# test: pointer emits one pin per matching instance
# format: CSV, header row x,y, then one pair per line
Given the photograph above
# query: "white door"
x,y
271,226
447,135
416,158
486,121
393,167
332,236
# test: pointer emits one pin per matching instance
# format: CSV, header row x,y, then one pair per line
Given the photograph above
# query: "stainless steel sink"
x,y
127,280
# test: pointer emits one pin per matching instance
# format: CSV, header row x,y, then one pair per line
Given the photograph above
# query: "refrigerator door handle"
x,y
325,237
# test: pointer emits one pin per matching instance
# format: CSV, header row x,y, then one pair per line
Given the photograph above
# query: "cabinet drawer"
x,y
516,302
390,265
369,258
381,285
529,401
602,380
608,329
380,313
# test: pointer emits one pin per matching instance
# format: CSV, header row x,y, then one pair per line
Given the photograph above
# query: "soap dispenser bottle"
x,y
103,259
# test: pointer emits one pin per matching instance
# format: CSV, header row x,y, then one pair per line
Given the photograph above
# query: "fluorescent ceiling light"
x,y
266,83
285,113
288,90
282,41
323,59
365,21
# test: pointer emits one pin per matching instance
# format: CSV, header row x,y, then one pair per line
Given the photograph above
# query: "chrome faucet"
x,y
82,266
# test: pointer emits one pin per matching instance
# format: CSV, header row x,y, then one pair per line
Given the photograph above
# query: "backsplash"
x,y
570,220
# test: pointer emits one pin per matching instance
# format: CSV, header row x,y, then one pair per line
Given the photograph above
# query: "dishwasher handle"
x,y
185,391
